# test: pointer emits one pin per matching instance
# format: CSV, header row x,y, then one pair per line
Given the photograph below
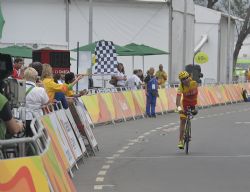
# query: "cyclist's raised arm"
x,y
178,100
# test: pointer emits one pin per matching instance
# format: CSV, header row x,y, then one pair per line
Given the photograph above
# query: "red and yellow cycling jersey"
x,y
189,93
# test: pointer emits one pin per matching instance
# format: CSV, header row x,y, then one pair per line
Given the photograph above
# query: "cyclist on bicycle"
x,y
186,98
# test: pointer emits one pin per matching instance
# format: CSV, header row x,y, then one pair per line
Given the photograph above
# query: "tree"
x,y
211,3
245,31
208,3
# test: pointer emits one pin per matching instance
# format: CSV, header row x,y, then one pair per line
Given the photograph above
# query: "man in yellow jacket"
x,y
161,75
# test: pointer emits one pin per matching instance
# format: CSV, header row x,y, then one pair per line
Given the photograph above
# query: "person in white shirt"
x,y
134,81
120,76
36,97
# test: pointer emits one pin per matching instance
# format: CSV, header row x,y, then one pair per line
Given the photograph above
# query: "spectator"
x,y
38,67
120,76
70,78
151,90
18,64
247,74
36,97
140,75
52,88
58,78
161,76
134,81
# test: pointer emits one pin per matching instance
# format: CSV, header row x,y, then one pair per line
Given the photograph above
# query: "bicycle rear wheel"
x,y
187,135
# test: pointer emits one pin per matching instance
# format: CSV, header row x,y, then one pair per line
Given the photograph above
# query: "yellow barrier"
x,y
129,104
35,174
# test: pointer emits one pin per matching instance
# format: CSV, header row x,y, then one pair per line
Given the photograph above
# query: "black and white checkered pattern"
x,y
106,57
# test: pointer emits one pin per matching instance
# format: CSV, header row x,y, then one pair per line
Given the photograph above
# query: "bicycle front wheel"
x,y
187,135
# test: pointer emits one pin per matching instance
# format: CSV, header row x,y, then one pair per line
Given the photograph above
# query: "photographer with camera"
x,y
7,122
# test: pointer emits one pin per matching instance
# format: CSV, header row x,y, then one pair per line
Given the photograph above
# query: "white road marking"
x,y
158,128
99,179
153,130
121,151
141,137
106,167
102,173
98,187
187,156
130,144
242,122
126,147
147,133
110,157
110,162
116,155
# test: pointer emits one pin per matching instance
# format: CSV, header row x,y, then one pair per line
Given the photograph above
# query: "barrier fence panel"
x,y
113,106
218,94
56,142
76,131
229,94
58,176
21,174
69,134
97,108
133,104
225,94
62,138
171,96
163,99
238,90
87,129
140,98
203,100
123,104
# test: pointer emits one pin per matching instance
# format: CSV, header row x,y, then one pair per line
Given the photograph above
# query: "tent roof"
x,y
17,51
91,47
142,50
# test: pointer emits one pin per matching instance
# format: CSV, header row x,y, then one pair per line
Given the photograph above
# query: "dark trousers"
x,y
28,131
59,96
151,103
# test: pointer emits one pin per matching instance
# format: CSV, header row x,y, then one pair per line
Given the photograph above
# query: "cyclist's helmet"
x,y
183,75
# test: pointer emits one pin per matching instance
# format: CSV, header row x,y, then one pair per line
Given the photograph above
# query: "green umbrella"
x,y
17,51
91,47
1,22
141,50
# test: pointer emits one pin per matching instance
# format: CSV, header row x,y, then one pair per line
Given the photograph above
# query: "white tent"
x,y
214,25
44,22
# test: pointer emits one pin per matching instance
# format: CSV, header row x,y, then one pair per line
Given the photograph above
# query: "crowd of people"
x,y
43,88
137,80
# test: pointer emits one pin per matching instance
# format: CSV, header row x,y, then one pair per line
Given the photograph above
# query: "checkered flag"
x,y
106,57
